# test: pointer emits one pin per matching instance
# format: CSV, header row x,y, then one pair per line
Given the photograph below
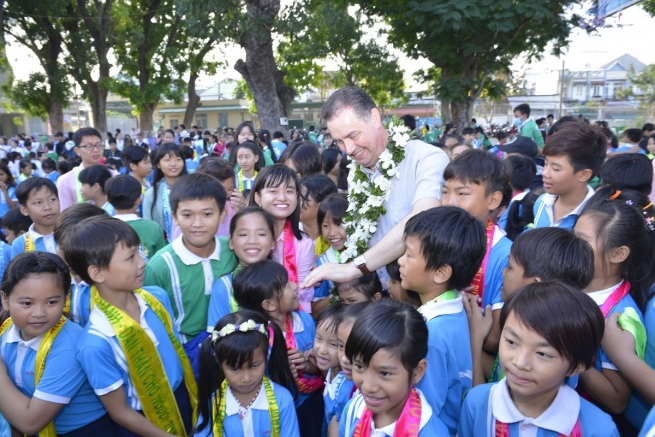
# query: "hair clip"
x,y
629,202
650,224
271,338
616,194
647,206
230,328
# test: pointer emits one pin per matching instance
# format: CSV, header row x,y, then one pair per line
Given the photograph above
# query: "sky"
x,y
632,32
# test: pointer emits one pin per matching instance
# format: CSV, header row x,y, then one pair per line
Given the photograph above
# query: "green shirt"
x,y
430,136
312,136
188,281
530,129
53,156
149,232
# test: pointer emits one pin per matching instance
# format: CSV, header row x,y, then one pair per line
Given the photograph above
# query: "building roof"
x,y
623,63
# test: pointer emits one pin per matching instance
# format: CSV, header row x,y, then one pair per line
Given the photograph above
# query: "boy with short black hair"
x,y
15,224
130,349
527,126
632,171
444,248
574,155
38,198
93,181
475,181
124,193
468,135
188,267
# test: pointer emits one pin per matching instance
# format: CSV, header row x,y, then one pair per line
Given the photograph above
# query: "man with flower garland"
x,y
408,173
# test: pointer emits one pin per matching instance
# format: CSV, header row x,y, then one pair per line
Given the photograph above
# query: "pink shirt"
x,y
67,187
305,262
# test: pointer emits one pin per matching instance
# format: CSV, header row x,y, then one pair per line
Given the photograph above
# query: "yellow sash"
x,y
146,369
41,355
29,244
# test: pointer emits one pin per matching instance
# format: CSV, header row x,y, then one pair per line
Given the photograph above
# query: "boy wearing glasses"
x,y
88,145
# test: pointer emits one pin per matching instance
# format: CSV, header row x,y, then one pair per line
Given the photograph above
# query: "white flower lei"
x,y
365,198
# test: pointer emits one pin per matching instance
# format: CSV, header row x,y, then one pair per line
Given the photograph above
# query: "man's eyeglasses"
x,y
91,147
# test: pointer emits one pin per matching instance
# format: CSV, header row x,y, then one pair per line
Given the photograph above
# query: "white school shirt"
x,y
232,408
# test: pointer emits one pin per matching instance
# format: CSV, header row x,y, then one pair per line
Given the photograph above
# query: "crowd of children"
x,y
170,296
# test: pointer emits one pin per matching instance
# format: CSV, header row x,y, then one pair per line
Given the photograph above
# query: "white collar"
x,y
549,201
601,296
232,405
127,217
297,322
452,306
560,416
331,385
35,235
426,413
190,258
13,336
101,323
498,234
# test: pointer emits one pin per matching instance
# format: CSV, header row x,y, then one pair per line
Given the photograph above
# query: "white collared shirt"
x,y
189,258
48,240
127,217
549,202
13,336
100,322
434,309
601,296
567,401
232,408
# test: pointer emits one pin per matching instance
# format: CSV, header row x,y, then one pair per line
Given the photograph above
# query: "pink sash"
x,y
614,298
289,252
409,422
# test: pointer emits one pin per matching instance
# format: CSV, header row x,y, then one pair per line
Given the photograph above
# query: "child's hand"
x,y
479,323
237,200
310,357
615,340
297,360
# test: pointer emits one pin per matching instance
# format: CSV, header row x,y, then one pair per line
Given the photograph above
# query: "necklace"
x,y
243,410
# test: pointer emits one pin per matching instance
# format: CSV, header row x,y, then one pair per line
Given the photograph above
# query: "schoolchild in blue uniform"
x,y
246,385
56,397
8,198
329,217
648,429
550,331
476,183
630,215
388,346
252,240
93,180
103,251
265,286
544,254
574,155
620,235
38,198
326,354
432,268
79,305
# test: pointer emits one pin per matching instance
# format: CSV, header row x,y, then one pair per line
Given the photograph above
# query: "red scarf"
x,y
409,422
478,279
502,430
306,383
289,252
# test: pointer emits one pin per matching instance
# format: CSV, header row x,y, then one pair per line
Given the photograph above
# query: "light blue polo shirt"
x,y
80,302
450,368
5,257
648,429
486,403
544,212
430,424
219,301
4,206
62,382
103,359
304,330
42,243
493,275
336,395
257,420
323,290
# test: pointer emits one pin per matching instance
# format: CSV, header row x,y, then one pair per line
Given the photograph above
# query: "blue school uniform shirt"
x,y
304,330
219,301
257,420
336,395
109,209
493,275
80,302
543,212
4,205
53,176
648,429
323,290
103,359
63,380
430,424
486,403
502,221
5,257
450,368
191,165
42,243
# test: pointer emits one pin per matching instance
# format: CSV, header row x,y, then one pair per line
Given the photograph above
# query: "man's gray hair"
x,y
348,97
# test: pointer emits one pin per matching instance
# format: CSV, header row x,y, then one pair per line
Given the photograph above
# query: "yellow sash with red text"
x,y
144,363
39,365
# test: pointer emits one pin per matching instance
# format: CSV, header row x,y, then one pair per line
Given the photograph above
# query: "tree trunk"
x,y
145,117
461,112
446,115
98,98
194,100
56,114
265,80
